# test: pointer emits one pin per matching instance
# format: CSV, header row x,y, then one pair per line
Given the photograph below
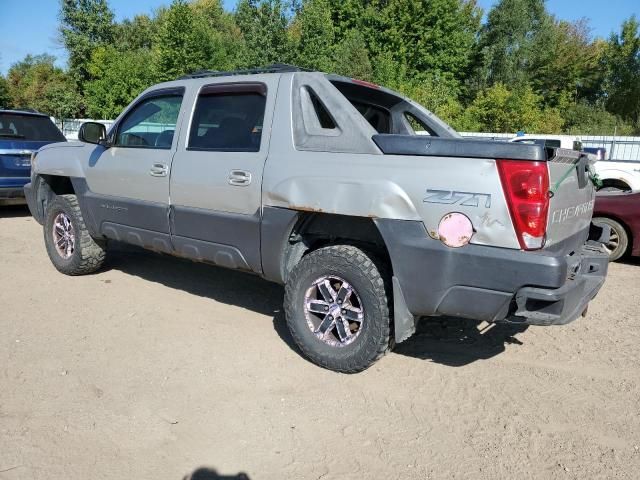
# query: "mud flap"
x,y
404,321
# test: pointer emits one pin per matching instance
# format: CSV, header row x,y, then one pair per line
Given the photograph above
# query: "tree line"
x,y
517,68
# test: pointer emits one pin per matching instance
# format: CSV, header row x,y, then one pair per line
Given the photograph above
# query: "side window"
x,y
418,127
151,123
316,116
228,122
324,117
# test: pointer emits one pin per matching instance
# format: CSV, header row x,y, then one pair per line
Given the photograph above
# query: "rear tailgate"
x,y
15,160
572,197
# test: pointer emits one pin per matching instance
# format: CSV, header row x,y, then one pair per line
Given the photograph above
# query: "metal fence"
x,y
618,148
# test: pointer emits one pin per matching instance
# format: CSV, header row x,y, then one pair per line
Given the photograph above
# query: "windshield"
x,y
29,127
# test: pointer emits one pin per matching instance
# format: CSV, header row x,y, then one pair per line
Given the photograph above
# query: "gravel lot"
x,y
157,368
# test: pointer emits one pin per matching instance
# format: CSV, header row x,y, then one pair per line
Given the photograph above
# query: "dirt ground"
x,y
157,368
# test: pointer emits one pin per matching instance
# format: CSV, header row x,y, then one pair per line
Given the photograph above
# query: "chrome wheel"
x,y
613,243
333,311
64,237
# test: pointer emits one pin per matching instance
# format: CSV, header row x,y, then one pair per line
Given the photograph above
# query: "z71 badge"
x,y
465,199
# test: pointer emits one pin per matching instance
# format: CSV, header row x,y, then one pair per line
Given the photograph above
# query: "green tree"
x,y
228,47
263,24
118,77
622,62
440,95
136,33
315,35
432,36
183,43
37,83
571,70
351,57
5,99
84,25
498,109
517,37
585,118
61,100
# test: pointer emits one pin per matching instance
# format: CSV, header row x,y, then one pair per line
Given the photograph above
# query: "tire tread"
x,y
376,272
91,254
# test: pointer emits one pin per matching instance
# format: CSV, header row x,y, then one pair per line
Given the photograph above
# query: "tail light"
x,y
526,187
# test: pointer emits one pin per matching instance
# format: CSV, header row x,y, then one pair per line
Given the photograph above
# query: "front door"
x,y
217,175
128,183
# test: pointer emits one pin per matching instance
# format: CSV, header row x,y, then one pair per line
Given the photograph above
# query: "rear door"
x,y
216,178
128,183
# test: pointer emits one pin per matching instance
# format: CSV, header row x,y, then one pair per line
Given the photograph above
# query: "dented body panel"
x,y
319,154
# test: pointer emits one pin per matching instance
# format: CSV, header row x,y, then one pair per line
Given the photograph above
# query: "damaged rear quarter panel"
x,y
395,187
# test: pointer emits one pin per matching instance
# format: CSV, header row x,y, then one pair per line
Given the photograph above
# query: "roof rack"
x,y
275,68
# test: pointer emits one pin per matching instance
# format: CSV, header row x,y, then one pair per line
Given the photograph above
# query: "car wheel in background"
x,y
618,241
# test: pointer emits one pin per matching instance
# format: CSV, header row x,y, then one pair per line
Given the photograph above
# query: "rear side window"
x,y
324,117
151,123
417,125
29,127
228,122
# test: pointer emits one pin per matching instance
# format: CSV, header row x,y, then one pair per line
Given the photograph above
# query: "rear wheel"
x,y
337,308
70,247
618,241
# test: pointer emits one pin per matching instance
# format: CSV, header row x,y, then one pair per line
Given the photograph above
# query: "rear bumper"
x,y
559,306
11,191
545,287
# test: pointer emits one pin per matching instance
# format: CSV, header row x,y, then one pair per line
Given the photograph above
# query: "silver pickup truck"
x,y
321,183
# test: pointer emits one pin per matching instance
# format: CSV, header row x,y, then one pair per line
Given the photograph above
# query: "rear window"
x,y
378,118
29,127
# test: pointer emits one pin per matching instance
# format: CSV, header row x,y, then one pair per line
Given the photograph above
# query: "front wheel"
x,y
618,241
337,308
70,247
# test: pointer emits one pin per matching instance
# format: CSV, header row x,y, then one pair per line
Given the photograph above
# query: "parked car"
x,y
616,175
621,212
21,134
319,182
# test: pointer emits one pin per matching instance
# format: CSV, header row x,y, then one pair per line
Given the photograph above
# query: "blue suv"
x,y
21,133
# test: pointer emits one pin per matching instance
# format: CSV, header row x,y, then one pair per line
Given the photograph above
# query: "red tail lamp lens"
x,y
526,187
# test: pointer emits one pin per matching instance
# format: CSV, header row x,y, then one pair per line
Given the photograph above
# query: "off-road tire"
x,y
368,277
88,255
619,233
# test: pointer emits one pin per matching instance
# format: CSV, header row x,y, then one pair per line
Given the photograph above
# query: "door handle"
x,y
239,178
159,170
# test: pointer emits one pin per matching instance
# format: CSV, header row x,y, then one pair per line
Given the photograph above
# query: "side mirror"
x,y
93,132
